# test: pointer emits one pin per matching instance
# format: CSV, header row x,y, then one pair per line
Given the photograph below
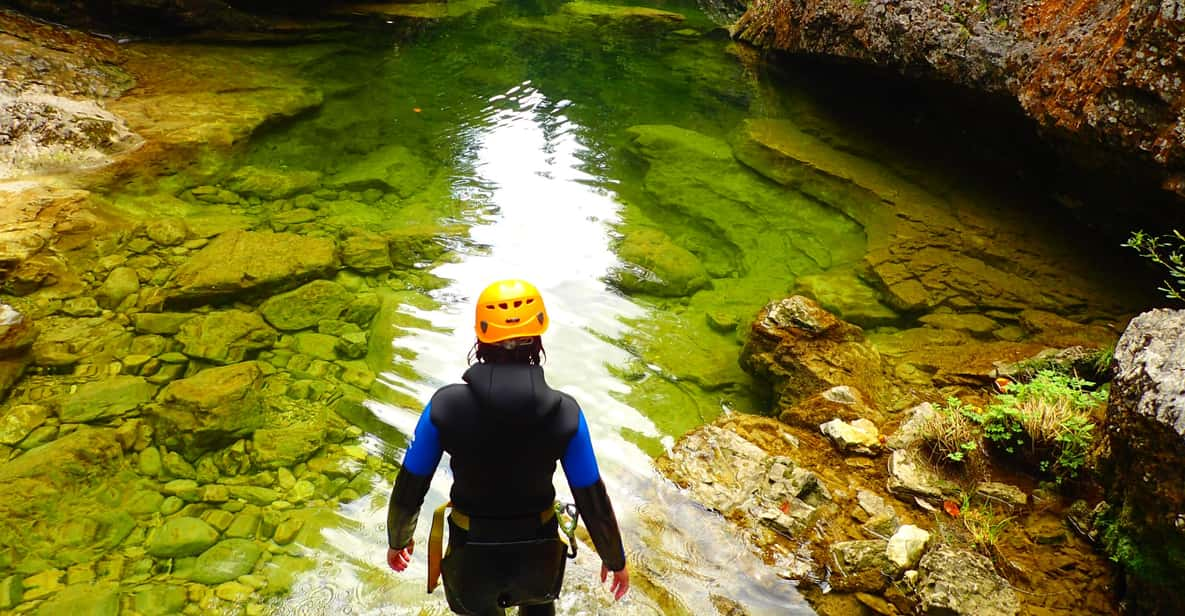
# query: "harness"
x,y
566,516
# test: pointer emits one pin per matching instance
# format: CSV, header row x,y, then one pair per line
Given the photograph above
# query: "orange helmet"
x,y
509,309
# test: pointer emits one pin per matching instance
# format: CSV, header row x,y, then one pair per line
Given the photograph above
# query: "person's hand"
x,y
399,559
621,581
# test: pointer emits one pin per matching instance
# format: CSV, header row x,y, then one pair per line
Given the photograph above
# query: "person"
x,y
504,429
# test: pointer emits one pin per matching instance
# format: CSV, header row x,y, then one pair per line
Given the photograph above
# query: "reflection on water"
x,y
545,220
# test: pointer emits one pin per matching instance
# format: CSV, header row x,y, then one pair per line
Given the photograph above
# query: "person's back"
x,y
504,429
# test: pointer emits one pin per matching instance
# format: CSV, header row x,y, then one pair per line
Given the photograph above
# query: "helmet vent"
x,y
530,300
503,306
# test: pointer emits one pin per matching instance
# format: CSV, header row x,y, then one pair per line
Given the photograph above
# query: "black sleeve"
x,y
406,498
597,511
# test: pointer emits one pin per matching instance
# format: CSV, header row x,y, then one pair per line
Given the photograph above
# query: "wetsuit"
x,y
504,429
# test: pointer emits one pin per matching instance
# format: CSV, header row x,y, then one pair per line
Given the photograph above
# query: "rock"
x,y
860,436
319,346
1006,494
100,599
211,409
225,337
654,265
861,565
162,323
1144,476
906,546
286,531
633,17
720,470
844,294
254,494
160,600
391,168
225,561
19,420
1058,331
86,452
181,537
970,322
957,582
82,307
305,307
910,431
167,231
106,399
17,332
352,345
362,308
366,252
801,349
243,526
416,245
11,591
271,184
11,371
120,283
289,446
239,263
910,476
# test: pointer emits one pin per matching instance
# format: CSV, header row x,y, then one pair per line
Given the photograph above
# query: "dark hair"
x,y
527,350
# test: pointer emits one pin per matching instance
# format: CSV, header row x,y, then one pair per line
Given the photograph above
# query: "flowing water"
x,y
541,140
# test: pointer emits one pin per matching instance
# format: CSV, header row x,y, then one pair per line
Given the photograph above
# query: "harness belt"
x,y
464,522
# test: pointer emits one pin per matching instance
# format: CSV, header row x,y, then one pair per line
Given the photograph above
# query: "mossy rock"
x,y
655,265
182,537
225,561
271,184
306,306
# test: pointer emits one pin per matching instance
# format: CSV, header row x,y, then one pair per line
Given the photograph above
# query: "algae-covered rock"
x,y
846,295
271,184
212,408
654,265
120,283
160,323
390,168
306,306
225,561
286,447
416,245
160,600
63,463
183,536
622,16
243,262
366,252
225,337
102,400
100,599
19,420
962,583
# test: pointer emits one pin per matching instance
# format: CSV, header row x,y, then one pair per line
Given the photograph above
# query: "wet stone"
x,y
184,536
121,283
286,531
92,599
177,466
134,363
39,436
254,495
144,502
243,526
164,323
160,600
306,306
218,518
81,307
43,584
1002,493
185,489
171,505
366,252
225,337
351,345
20,420
214,494
906,546
335,327
105,399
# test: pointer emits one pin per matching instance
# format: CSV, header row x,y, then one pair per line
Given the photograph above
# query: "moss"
x,y
1152,558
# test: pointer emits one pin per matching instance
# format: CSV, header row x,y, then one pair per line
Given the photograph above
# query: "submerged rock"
x,y
239,263
304,307
1144,477
213,408
657,266
961,583
225,337
183,536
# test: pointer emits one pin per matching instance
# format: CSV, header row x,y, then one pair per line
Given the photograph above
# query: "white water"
x,y
546,223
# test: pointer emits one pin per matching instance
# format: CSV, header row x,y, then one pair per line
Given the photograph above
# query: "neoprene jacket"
x,y
504,429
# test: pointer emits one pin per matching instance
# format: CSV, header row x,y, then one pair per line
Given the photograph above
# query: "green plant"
x,y
1168,251
1050,414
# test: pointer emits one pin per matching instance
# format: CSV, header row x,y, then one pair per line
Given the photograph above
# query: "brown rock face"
x,y
802,349
1102,72
1145,473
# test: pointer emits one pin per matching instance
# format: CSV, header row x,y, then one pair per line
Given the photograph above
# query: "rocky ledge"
x,y
1099,72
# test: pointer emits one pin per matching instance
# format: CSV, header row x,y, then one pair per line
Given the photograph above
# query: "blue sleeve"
x,y
424,454
580,463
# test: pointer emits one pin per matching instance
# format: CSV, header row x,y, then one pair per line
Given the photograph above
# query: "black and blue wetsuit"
x,y
504,429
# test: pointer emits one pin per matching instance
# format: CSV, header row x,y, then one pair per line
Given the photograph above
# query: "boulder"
x,y
286,447
105,399
225,337
180,537
271,184
1144,477
68,462
801,349
225,561
655,265
121,283
366,252
306,306
239,263
213,408
906,546
17,332
960,583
